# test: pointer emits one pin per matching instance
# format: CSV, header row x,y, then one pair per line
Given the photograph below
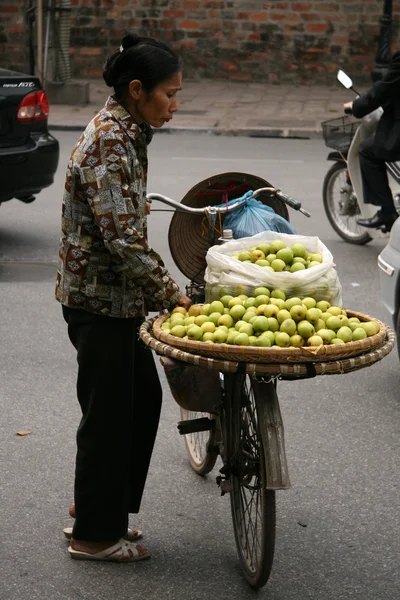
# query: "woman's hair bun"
x,y
130,39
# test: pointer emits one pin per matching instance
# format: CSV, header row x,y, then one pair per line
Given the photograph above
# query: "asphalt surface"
x,y
337,530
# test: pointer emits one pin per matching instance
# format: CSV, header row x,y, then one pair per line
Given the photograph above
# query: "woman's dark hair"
x,y
142,58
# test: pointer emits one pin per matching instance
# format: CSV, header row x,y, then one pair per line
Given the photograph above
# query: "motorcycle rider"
x,y
384,147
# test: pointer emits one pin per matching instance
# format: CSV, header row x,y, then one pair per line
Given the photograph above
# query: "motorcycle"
x,y
343,196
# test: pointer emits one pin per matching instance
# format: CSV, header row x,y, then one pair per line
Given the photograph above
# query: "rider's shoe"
x,y
378,221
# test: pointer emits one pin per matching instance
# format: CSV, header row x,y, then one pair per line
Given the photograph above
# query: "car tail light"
x,y
34,107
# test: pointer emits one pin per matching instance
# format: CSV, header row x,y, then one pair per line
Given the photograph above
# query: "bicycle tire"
x,y
200,446
343,227
248,479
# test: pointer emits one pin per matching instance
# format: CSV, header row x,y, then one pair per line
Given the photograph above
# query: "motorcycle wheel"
x,y
345,225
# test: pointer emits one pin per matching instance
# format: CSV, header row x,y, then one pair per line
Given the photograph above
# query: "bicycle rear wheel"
x,y
252,504
200,446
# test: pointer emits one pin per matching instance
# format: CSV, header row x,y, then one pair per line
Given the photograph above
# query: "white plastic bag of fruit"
x,y
224,269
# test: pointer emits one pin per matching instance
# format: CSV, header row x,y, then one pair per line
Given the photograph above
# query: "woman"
x,y
108,279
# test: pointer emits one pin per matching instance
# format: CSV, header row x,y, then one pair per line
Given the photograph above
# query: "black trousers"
x,y
120,396
375,180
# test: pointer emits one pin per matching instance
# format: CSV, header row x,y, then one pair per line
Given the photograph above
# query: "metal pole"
x,y
39,25
384,53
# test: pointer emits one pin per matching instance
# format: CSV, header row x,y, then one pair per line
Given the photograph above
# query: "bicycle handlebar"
x,y
295,204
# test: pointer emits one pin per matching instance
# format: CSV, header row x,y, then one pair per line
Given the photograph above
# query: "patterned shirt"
x,y
105,263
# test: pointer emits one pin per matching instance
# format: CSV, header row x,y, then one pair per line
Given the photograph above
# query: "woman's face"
x,y
157,107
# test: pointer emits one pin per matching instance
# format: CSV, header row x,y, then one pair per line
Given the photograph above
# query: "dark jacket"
x,y
385,93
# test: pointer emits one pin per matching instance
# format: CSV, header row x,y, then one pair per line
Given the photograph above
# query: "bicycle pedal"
x,y
224,485
194,425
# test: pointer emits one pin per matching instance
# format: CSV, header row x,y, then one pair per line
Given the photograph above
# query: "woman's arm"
x,y
107,186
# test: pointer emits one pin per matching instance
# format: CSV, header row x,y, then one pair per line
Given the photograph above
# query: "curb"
x,y
302,134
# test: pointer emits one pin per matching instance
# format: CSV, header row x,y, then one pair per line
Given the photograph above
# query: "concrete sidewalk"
x,y
222,107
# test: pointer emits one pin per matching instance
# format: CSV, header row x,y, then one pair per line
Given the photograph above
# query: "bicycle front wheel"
x,y
252,505
200,446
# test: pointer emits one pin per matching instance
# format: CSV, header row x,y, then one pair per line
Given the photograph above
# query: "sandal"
x,y
122,551
131,535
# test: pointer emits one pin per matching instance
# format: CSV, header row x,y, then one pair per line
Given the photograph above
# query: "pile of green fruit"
x,y
267,319
278,257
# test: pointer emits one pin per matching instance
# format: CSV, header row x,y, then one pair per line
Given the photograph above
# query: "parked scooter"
x,y
342,190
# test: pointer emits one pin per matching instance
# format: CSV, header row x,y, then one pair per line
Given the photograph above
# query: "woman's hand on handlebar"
x,y
184,301
348,108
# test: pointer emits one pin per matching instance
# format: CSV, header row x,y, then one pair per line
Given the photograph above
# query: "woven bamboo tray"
x,y
275,355
282,370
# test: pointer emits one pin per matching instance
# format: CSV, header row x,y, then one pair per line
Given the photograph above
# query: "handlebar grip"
x,y
295,204
348,111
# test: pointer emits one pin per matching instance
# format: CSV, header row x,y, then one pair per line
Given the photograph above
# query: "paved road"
x,y
337,534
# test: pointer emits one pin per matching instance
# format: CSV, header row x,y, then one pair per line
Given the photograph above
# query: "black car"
x,y
28,152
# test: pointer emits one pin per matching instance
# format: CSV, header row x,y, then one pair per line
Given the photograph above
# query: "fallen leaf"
x,y
23,432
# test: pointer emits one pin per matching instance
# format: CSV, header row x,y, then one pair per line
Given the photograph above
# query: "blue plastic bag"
x,y
254,217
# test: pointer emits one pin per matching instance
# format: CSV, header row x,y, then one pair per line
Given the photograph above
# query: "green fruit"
x,y
334,310
214,317
268,334
205,309
276,245
359,334
312,315
370,327
278,293
298,259
179,331
333,323
207,327
345,334
257,255
260,324
235,301
225,300
270,257
298,312
179,309
216,307
231,337
312,264
327,335
246,255
320,324
337,341
262,263
288,326
281,304
208,336
195,310
200,320
253,340
285,254
220,336
237,312
261,299
299,250
260,310
315,340
226,320
239,323
282,339
246,328
264,341
283,315
278,265
270,310
261,291
316,257
194,332
323,305
297,267
353,325
249,302
305,329
264,248
242,339
190,320
309,302
296,340
273,324
247,315
292,302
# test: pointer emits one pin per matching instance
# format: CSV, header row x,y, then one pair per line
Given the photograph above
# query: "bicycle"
x,y
239,418
246,430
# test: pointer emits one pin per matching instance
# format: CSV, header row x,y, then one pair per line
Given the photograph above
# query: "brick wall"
x,y
274,41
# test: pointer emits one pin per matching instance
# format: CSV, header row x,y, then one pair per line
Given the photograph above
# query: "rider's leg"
x,y
375,186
